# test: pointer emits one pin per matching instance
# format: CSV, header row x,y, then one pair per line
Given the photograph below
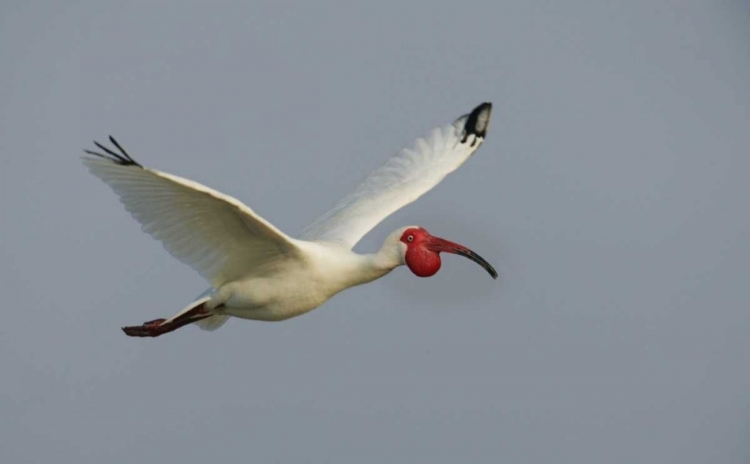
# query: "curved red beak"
x,y
437,245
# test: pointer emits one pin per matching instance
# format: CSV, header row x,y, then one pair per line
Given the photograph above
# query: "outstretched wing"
x,y
213,233
402,179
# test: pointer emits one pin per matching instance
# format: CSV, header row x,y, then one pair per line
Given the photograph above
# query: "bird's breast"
x,y
288,291
273,299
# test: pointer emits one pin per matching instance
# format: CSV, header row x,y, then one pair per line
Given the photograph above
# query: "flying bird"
x,y
257,271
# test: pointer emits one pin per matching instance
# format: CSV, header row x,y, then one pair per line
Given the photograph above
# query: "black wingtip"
x,y
479,120
122,158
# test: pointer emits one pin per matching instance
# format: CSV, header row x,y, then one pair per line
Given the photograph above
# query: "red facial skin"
x,y
421,260
423,252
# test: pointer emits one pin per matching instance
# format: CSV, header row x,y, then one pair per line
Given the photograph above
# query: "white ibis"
x,y
258,272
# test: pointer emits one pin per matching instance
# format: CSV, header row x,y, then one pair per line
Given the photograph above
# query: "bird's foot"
x,y
147,329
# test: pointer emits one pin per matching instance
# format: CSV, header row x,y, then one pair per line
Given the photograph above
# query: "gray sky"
x,y
611,195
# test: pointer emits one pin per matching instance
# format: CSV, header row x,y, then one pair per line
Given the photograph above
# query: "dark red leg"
x,y
158,327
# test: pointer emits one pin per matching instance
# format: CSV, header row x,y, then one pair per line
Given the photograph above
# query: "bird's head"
x,y
421,251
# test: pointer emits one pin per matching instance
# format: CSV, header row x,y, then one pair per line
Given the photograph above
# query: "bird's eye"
x,y
410,238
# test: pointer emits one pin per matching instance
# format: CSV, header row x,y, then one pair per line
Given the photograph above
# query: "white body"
x,y
255,270
297,286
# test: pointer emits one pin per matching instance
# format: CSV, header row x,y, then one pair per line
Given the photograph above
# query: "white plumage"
x,y
213,233
414,171
258,272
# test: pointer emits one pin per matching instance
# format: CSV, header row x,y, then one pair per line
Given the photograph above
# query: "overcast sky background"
x,y
611,195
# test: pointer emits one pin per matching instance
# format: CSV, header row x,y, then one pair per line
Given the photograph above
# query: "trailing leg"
x,y
161,326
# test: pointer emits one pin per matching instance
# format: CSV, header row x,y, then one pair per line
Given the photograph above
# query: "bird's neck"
x,y
374,266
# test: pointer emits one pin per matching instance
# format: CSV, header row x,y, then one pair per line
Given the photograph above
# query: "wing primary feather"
x,y
122,150
89,152
122,158
477,122
110,152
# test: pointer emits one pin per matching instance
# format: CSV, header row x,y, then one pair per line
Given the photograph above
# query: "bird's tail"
x,y
212,323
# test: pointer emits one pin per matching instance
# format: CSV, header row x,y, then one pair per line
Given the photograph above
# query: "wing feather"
x,y
213,233
402,179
